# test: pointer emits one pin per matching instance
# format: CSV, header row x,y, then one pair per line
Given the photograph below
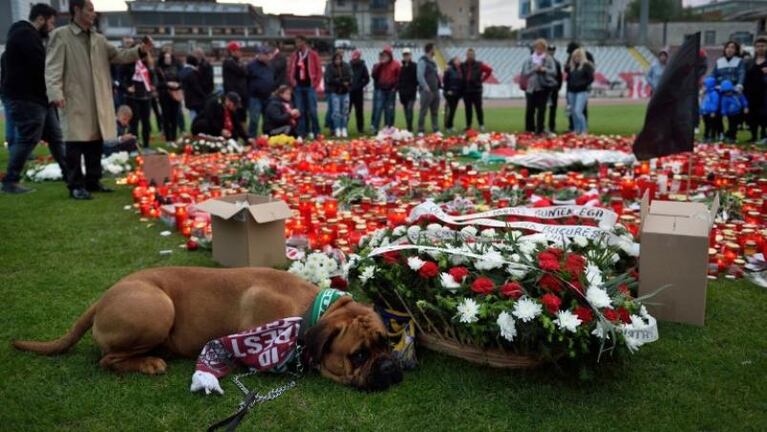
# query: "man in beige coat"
x,y
79,83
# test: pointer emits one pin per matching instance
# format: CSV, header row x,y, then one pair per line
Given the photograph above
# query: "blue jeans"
x,y
383,103
339,104
34,122
255,108
10,127
305,100
577,102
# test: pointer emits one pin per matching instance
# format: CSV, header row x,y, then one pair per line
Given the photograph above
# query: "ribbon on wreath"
x,y
556,233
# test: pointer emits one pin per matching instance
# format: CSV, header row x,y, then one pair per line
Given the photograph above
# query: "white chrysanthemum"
x,y
631,248
367,274
413,232
601,331
448,282
527,247
297,267
399,231
515,235
324,283
567,320
598,297
508,328
415,263
615,258
469,230
516,272
581,241
526,309
433,227
490,260
488,233
637,322
515,257
632,343
594,275
467,311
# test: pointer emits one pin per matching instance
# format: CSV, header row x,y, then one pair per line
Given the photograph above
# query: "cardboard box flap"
x,y
270,211
220,208
263,209
690,210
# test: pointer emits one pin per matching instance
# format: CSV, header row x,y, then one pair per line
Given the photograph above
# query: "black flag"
x,y
672,113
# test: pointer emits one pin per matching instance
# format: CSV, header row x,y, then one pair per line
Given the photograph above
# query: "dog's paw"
x,y
205,381
153,366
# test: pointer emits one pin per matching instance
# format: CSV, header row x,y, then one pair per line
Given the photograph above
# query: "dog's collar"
x,y
322,302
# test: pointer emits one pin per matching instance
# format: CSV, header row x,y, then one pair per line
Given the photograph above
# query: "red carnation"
x,y
543,202
557,252
512,289
458,273
550,283
610,315
624,315
574,264
584,314
391,257
548,261
625,290
551,302
483,285
428,270
338,282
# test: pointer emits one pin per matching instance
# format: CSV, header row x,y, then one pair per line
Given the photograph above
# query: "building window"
x,y
709,38
341,3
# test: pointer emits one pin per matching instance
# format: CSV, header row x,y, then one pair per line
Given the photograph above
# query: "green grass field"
x,y
57,256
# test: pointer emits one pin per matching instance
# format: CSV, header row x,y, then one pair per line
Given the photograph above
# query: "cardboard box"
x,y
674,256
157,168
248,230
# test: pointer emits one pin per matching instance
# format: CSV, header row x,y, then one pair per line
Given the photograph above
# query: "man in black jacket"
x,y
260,86
280,66
235,76
219,118
206,72
24,89
408,86
554,92
360,79
194,95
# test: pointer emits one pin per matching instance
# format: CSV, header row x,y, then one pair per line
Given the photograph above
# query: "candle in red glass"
x,y
616,203
330,206
181,215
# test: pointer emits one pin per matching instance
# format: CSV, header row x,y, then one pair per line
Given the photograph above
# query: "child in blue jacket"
x,y
709,110
733,105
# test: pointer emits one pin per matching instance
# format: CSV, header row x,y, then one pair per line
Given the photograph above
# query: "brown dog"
x,y
180,309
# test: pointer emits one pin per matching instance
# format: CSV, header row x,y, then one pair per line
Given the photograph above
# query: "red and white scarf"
x,y
267,348
141,74
301,65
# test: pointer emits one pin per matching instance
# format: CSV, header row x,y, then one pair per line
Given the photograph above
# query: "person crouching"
x,y
280,117
221,118
125,141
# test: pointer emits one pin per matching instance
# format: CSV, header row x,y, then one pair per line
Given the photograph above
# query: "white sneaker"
x,y
344,133
310,136
482,128
337,133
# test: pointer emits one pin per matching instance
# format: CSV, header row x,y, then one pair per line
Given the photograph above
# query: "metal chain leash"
x,y
253,398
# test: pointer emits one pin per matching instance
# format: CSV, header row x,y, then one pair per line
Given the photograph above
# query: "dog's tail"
x,y
64,343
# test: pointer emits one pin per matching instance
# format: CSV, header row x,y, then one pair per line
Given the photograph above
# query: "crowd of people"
x,y
86,98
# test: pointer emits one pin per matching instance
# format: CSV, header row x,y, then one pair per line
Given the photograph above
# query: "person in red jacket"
x,y
385,79
474,74
305,76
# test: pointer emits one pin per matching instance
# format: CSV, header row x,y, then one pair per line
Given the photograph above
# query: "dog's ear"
x,y
317,341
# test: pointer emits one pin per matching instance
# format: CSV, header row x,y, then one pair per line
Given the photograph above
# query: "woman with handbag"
x,y
170,93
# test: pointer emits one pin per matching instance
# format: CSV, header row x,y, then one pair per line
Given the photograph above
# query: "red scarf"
x,y
266,348
301,65
141,74
228,125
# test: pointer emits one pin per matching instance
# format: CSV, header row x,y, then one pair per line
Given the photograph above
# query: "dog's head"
x,y
349,345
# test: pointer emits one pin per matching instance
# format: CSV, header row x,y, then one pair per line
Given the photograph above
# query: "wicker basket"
x,y
491,357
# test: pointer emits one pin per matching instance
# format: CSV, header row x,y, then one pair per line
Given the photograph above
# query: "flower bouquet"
x,y
201,144
281,140
503,298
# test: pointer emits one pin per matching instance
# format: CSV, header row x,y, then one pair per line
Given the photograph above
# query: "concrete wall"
x,y
463,23
714,33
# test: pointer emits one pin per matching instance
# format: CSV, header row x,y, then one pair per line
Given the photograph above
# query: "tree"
x,y
345,26
425,22
499,32
660,10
